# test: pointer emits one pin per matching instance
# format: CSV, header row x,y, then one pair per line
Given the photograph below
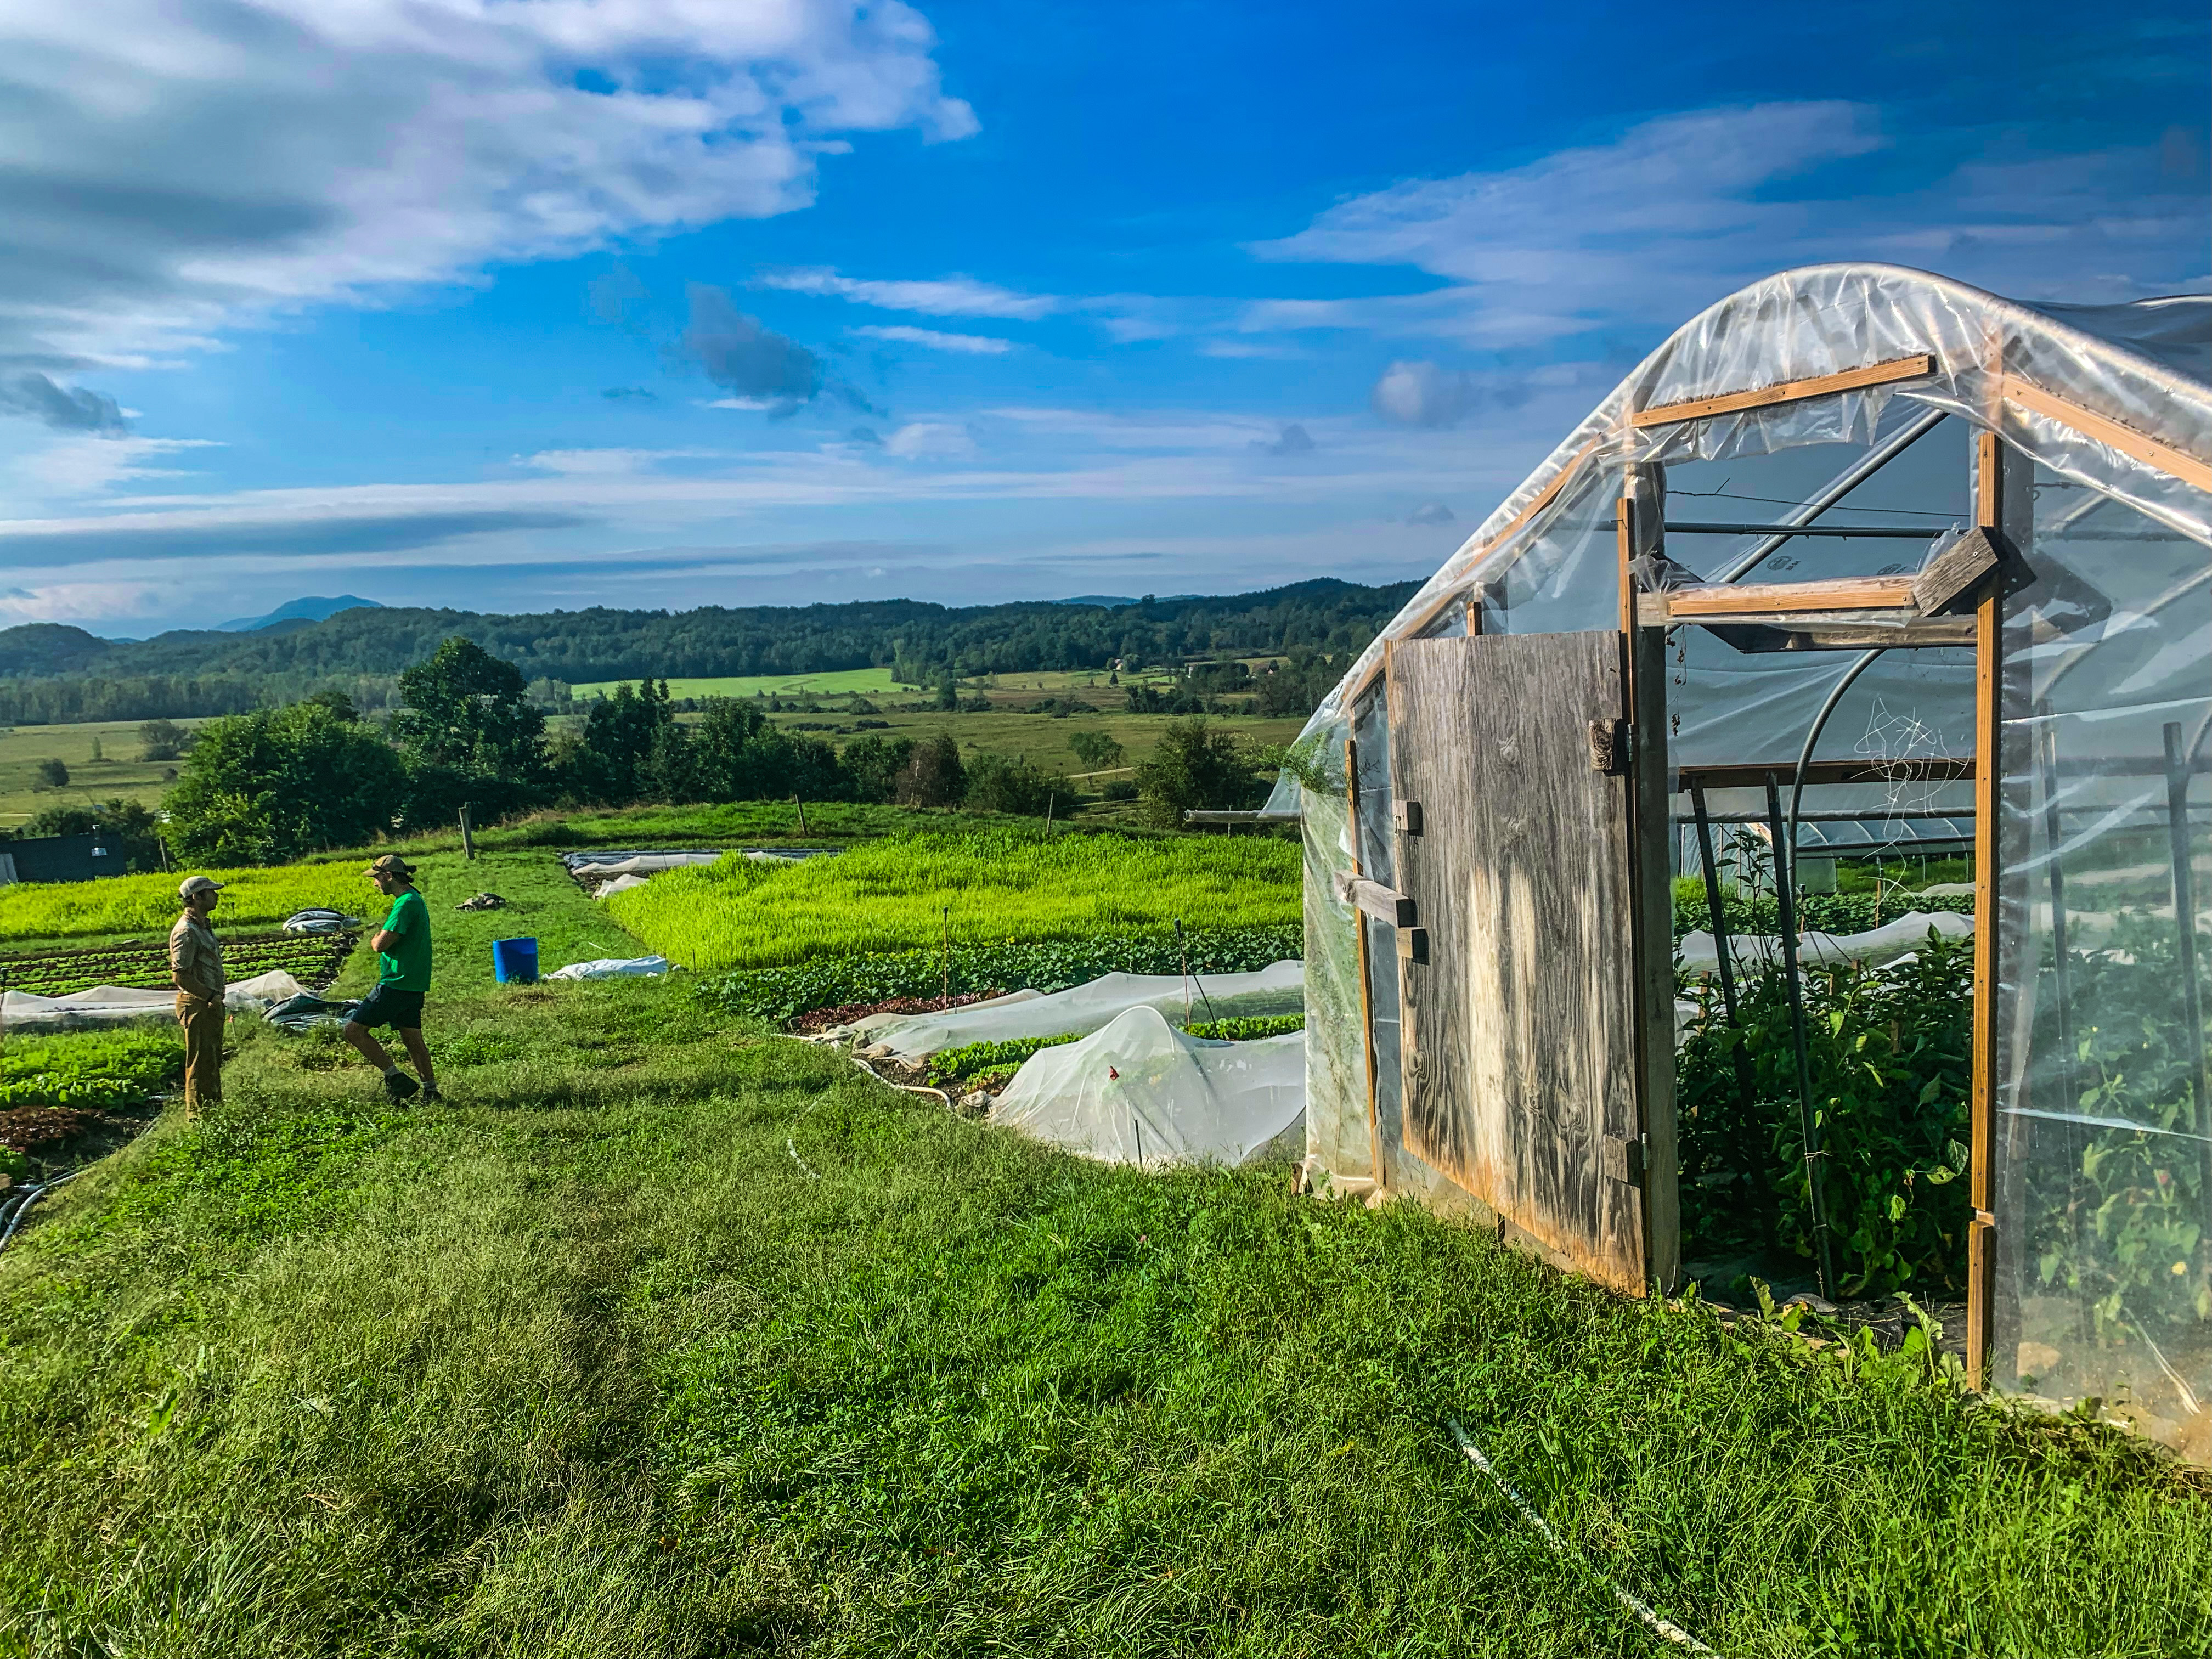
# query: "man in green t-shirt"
x,y
403,975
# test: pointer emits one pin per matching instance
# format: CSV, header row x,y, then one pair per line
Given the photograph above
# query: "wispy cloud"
x,y
1646,231
986,345
945,296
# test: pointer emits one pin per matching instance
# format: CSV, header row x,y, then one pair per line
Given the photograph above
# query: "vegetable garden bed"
x,y
314,960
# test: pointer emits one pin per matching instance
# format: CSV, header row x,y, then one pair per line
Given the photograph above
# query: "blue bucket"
x,y
514,961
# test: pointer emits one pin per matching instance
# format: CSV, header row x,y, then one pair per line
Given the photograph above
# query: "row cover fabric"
x,y
117,1004
1139,1091
1877,947
1279,988
614,967
601,865
312,922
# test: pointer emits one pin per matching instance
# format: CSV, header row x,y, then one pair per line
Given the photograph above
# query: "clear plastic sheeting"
x,y
1139,1092
1279,988
1877,947
2104,1175
117,1004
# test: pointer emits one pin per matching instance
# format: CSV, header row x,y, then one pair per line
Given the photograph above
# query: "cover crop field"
x,y
147,903
893,895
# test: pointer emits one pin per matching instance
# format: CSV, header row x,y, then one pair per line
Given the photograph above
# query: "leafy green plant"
x,y
1249,1028
99,1071
975,1060
1826,913
1891,1072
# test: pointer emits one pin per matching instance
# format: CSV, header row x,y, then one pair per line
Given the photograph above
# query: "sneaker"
x,y
431,1097
400,1086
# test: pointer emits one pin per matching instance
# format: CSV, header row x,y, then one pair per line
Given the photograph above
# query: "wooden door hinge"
x,y
1624,1160
1407,815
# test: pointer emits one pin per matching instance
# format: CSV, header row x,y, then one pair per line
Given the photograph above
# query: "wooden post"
x,y
468,841
1642,533
801,806
1366,1010
2003,504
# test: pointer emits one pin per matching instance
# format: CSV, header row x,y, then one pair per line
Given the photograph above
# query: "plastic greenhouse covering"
x,y
2102,1181
1139,1092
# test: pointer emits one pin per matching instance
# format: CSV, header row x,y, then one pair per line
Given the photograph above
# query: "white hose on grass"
x,y
790,1141
31,1198
1651,1620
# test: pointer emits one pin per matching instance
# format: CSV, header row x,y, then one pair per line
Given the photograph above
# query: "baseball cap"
x,y
193,884
390,864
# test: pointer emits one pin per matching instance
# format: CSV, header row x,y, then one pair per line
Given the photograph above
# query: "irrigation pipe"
x,y
1650,1619
31,1198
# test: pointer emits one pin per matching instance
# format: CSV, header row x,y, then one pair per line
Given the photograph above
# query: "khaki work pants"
x,y
201,1018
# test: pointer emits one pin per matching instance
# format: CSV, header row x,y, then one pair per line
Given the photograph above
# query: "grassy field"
x,y
840,683
127,907
893,895
588,1366
120,774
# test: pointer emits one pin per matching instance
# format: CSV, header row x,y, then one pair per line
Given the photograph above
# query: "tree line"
x,y
269,784
51,672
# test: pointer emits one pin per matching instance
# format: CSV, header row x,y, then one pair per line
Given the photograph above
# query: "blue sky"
x,y
514,305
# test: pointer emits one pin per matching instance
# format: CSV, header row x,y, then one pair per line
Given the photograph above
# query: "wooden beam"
x,y
1990,505
1789,391
1933,769
1755,601
1372,898
1955,573
2178,463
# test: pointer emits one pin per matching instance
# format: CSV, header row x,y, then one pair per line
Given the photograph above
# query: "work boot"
x,y
400,1086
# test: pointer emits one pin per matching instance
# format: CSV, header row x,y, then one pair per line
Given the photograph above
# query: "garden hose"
x,y
31,1198
1651,1620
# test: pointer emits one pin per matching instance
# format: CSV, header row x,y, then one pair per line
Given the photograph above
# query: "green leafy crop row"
x,y
1249,1029
104,1070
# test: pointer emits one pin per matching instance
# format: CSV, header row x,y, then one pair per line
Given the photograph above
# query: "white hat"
x,y
193,884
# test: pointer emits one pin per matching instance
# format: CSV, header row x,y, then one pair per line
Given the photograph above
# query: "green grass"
x,y
890,896
587,1366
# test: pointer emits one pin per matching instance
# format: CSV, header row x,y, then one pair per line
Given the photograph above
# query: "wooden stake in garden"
x,y
468,841
944,987
1182,950
801,806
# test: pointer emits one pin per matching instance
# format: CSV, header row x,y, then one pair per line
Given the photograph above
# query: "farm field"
x,y
587,1364
120,774
1042,739
903,893
145,906
840,683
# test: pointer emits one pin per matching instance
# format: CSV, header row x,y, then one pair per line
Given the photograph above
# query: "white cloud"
x,y
949,296
607,463
175,166
86,466
1679,212
1237,349
973,344
932,439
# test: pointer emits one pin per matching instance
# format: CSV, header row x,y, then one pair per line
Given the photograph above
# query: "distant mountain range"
x,y
312,610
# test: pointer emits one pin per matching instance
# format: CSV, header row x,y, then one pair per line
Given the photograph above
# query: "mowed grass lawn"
x,y
905,892
587,1365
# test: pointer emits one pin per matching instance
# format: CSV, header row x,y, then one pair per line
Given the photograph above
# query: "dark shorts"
x,y
387,1005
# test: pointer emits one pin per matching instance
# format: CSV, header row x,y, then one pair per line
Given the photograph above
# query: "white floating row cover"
x,y
117,1004
1279,988
1141,1093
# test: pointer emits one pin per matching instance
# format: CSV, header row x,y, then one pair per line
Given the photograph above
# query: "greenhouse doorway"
x,y
1521,975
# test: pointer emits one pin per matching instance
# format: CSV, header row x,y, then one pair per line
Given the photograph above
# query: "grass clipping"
x,y
999,885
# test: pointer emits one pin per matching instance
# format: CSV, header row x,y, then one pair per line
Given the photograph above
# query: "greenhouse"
x,y
1862,564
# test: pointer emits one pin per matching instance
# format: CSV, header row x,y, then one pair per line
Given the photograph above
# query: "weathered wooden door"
x,y
1521,1037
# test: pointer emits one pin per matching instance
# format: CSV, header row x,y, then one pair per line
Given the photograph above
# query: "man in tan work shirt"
x,y
196,963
